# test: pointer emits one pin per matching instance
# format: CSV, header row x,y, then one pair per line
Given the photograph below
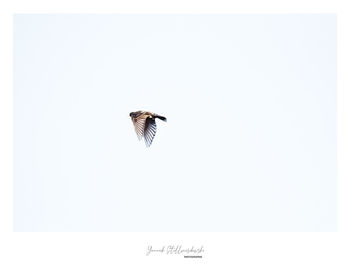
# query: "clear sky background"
x,y
250,142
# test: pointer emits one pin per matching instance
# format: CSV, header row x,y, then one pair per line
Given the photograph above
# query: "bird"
x,y
145,125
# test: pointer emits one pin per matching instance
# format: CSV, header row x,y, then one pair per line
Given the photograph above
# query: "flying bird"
x,y
145,125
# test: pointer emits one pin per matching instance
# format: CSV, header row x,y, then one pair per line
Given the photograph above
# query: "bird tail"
x,y
161,117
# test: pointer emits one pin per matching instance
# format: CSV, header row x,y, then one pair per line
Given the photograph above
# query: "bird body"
x,y
145,125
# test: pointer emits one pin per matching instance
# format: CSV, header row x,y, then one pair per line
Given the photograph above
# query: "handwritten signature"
x,y
174,250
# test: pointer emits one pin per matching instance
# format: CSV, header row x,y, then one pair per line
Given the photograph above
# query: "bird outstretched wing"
x,y
139,125
150,129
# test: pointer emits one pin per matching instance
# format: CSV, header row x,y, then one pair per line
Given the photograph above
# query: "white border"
x,y
123,254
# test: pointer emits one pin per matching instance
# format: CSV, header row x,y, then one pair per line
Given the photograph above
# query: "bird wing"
x,y
150,131
139,125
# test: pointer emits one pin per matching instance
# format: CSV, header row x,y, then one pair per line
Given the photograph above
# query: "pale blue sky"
x,y
250,142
